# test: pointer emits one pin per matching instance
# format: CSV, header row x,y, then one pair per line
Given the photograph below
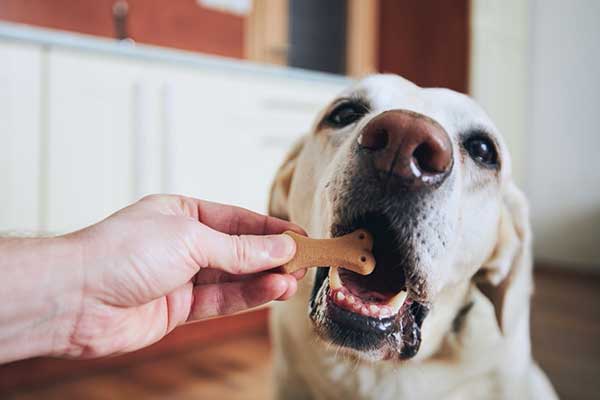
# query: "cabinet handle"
x,y
120,11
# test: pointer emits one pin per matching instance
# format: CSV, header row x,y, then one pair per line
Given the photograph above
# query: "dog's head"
x,y
427,173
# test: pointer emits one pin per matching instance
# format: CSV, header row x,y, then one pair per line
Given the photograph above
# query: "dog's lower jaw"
x,y
394,338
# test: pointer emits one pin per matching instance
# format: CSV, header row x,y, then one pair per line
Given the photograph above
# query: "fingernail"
x,y
280,246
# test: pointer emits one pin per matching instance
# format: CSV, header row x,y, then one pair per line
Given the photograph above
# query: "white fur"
x,y
485,221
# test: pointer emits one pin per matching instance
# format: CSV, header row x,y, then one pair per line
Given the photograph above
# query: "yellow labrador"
x,y
445,314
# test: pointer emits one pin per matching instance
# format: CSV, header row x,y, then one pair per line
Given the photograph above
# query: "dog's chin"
x,y
373,317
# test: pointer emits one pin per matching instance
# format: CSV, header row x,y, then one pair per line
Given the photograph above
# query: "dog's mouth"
x,y
375,315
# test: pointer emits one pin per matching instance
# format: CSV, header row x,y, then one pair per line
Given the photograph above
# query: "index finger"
x,y
240,221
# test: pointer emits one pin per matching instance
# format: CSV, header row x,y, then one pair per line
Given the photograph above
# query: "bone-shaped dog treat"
x,y
351,251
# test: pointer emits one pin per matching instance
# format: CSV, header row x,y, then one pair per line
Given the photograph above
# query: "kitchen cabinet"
x,y
94,111
229,133
88,127
20,137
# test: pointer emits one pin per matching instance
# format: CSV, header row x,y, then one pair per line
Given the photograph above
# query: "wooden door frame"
x,y
362,36
266,34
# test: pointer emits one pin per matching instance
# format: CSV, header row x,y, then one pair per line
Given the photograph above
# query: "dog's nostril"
x,y
412,148
375,139
430,159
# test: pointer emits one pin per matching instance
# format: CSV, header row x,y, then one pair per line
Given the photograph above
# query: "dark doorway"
x,y
317,35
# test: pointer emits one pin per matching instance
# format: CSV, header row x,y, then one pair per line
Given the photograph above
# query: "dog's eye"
x,y
346,114
482,150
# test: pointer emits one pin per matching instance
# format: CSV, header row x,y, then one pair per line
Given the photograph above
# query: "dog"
x,y
445,314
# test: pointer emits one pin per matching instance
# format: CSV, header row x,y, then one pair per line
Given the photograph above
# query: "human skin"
x,y
127,281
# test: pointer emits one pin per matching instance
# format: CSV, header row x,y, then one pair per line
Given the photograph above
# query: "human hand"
x,y
167,260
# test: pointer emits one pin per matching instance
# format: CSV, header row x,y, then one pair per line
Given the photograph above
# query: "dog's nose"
x,y
409,145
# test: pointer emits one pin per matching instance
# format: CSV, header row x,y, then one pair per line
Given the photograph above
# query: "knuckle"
x,y
188,207
220,303
240,253
161,197
158,199
248,297
151,198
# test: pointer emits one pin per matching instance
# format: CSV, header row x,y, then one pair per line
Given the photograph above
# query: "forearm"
x,y
40,294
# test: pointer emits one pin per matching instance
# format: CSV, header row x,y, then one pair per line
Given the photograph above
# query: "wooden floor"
x,y
566,342
565,332
231,370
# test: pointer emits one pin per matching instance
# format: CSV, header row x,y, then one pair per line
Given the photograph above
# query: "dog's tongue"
x,y
354,283
382,284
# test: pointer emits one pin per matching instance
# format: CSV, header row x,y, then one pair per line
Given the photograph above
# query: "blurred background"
x,y
103,101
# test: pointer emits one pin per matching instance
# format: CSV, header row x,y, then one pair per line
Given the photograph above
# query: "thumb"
x,y
244,254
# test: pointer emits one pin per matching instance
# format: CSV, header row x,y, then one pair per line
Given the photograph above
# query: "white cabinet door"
x,y
229,133
20,105
96,123
85,134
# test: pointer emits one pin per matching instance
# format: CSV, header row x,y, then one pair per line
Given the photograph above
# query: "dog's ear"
x,y
280,189
506,275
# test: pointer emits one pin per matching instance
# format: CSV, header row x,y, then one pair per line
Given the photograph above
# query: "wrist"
x,y
43,296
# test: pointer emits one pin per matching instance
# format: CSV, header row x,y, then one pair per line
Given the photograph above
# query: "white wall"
x,y
499,69
535,67
564,141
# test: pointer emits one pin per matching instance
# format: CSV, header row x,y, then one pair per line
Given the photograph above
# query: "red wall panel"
x,y
181,24
426,41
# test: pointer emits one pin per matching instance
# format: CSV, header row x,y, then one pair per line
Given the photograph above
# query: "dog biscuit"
x,y
351,251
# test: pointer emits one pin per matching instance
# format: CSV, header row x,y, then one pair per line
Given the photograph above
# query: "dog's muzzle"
x,y
396,172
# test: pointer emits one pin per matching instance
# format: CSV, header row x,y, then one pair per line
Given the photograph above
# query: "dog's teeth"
x,y
357,306
374,309
364,310
385,311
340,296
350,299
396,302
334,278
